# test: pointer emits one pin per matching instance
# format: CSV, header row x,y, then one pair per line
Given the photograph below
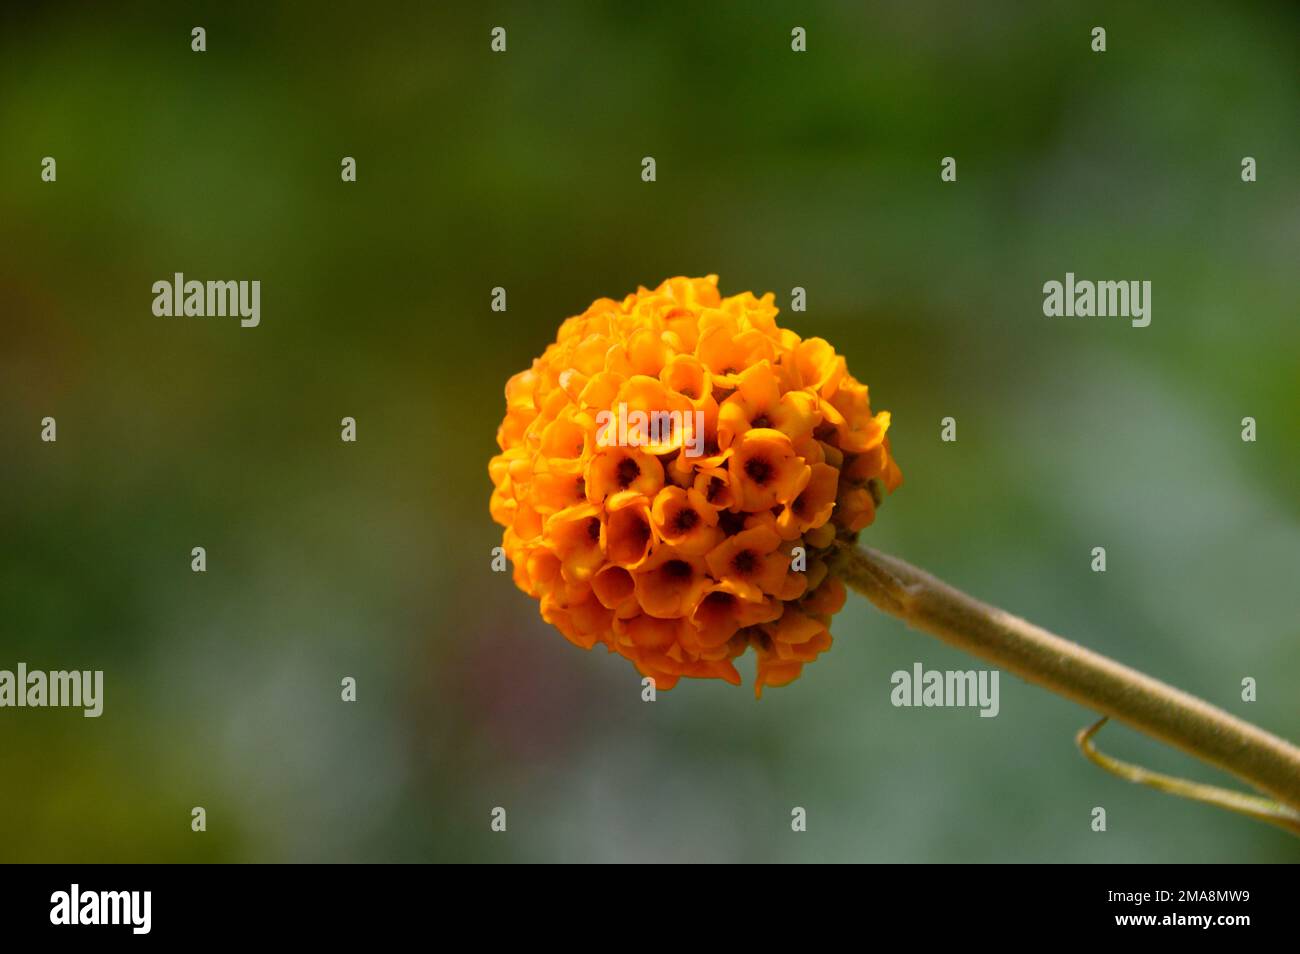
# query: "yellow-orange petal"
x,y
629,531
649,633
670,582
814,505
613,469
856,509
793,627
772,671
575,536
614,587
685,519
765,470
821,368
686,375
742,560
828,599
582,621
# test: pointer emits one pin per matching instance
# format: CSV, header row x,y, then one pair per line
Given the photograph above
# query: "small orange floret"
x,y
700,523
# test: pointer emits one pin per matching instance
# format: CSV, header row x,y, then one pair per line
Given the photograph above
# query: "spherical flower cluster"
x,y
674,471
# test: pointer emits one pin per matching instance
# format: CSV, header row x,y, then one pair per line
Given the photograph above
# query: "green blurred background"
x,y
775,169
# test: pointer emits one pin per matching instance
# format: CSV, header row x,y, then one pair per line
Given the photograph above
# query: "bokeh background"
x,y
775,169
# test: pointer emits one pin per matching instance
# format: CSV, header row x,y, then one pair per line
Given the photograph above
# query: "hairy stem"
x,y
1269,763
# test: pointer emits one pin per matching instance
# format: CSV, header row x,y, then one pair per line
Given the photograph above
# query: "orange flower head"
x,y
675,473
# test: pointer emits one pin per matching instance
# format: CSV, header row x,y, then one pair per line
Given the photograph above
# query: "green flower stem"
x,y
1269,763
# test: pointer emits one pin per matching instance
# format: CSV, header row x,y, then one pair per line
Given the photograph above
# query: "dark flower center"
x,y
745,561
759,470
715,487
677,570
593,529
686,520
731,522
719,601
628,471
761,421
